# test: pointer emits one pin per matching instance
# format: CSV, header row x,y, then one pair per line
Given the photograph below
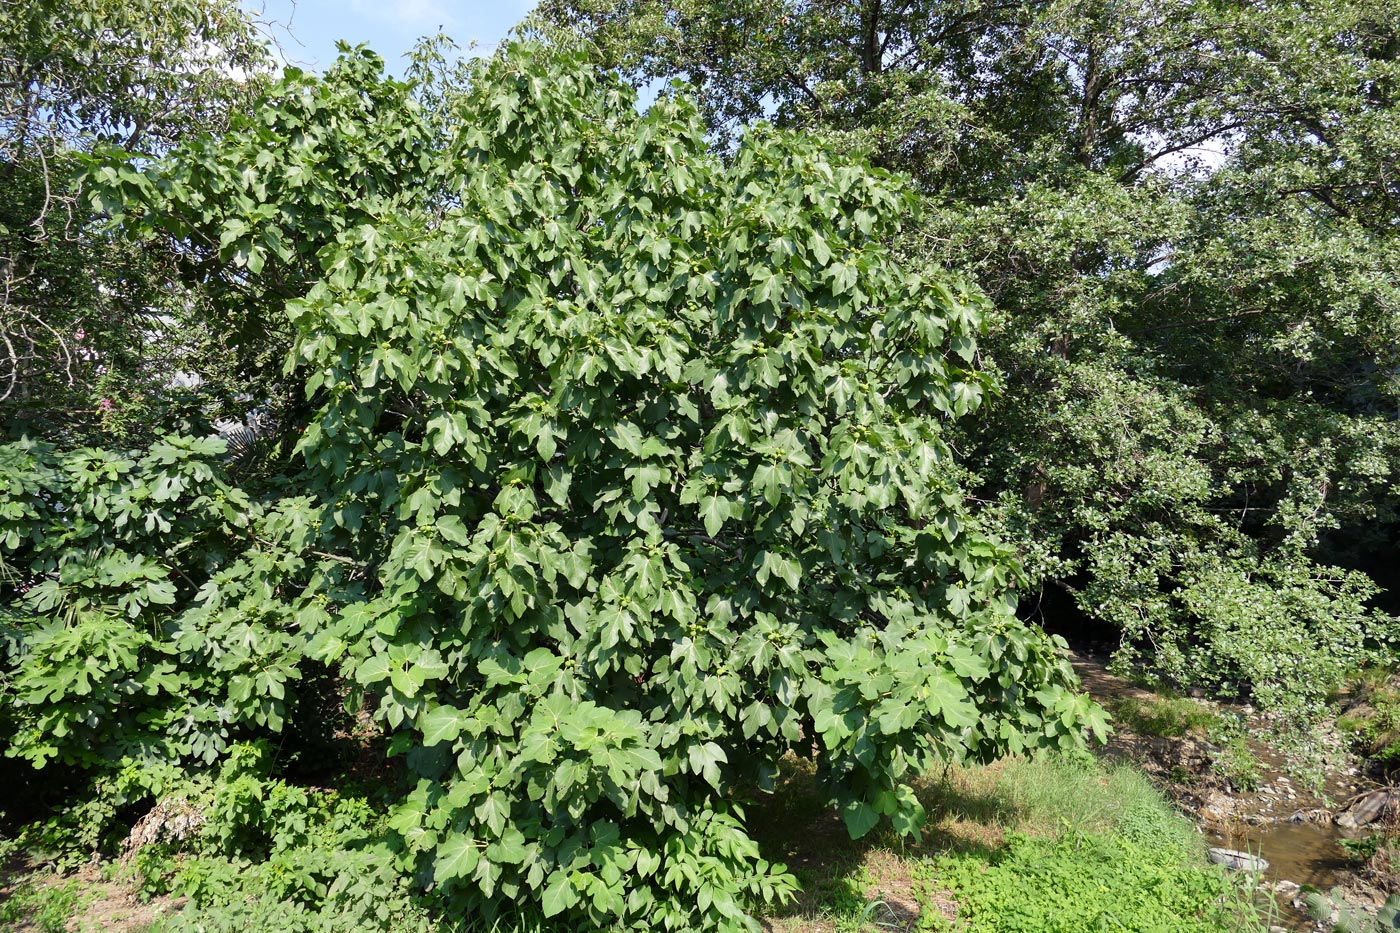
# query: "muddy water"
x,y
1304,853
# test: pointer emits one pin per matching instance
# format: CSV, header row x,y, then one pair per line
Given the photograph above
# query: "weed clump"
x,y
1167,717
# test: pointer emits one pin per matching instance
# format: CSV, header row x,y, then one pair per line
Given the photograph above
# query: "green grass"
x,y
1179,717
1026,845
1168,717
1052,795
1374,724
1083,882
1086,847
1235,759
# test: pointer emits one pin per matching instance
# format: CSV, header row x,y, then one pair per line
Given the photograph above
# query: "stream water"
x,y
1304,851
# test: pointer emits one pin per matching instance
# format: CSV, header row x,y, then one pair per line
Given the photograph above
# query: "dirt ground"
x,y
101,906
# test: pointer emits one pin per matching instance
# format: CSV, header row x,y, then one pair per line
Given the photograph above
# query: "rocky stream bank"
x,y
1306,840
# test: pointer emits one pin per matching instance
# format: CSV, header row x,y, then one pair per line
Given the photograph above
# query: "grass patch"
x,y
1025,845
1087,847
1167,717
1080,883
1050,796
1374,721
1235,759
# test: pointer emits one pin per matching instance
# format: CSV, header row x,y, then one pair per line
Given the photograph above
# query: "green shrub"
x,y
271,857
168,611
1364,848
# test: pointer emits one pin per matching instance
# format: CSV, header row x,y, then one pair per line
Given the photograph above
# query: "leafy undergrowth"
x,y
1081,882
238,851
30,905
95,899
1054,843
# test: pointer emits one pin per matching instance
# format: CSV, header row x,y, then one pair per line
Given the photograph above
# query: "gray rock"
x,y
1366,809
1236,860
1316,815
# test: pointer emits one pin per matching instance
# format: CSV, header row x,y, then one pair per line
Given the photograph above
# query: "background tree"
x,y
1185,215
100,339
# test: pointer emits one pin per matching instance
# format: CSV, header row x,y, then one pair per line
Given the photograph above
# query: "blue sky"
x,y
307,29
